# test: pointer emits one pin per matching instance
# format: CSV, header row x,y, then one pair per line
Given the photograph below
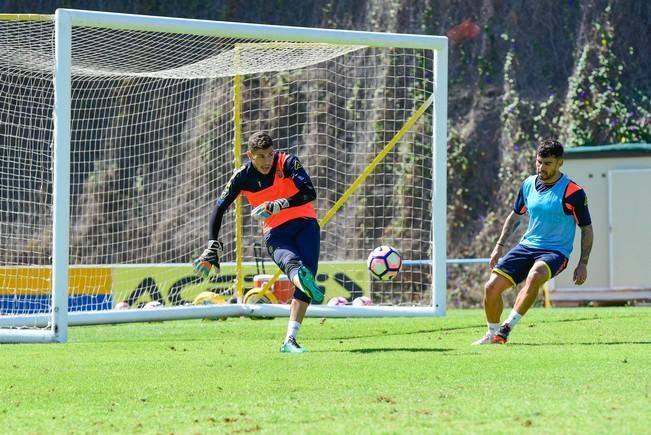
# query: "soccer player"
x,y
556,205
281,194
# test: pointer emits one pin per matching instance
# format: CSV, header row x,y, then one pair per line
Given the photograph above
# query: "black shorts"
x,y
517,263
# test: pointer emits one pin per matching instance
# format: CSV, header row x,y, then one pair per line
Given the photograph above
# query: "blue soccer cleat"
x,y
309,285
291,346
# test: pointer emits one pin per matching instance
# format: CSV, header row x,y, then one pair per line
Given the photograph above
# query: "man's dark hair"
x,y
260,141
550,148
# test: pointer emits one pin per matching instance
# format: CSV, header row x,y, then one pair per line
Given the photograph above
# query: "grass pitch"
x,y
564,371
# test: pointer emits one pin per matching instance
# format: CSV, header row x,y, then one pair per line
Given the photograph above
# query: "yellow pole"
x,y
387,148
360,179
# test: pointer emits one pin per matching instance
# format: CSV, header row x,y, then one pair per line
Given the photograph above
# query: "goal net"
x,y
118,133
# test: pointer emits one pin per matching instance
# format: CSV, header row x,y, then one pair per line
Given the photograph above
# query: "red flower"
x,y
467,30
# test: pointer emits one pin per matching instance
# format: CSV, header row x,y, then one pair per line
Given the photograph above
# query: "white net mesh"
x,y
152,146
26,104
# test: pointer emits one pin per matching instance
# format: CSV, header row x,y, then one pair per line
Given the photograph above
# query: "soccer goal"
x,y
118,132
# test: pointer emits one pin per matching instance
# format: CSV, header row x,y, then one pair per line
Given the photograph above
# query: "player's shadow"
x,y
399,349
420,331
587,343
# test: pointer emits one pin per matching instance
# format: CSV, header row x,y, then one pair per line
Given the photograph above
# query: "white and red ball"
x,y
337,301
362,301
152,305
384,262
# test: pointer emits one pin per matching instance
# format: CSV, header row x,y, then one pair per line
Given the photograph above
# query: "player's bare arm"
x,y
581,271
507,229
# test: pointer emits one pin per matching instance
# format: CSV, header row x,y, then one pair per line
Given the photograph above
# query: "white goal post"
x,y
118,132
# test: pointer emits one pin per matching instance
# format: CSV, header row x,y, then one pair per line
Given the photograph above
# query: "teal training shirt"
x,y
550,227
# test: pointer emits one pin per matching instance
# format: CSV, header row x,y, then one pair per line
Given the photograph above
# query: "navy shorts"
x,y
294,244
517,263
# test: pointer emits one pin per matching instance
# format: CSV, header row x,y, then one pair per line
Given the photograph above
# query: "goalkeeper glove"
x,y
209,259
269,208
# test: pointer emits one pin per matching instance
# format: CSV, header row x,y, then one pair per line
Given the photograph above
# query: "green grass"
x,y
564,371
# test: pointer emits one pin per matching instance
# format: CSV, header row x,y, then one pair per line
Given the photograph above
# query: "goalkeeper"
x,y
281,194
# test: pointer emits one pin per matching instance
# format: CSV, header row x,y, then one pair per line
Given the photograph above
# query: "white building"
x,y
617,180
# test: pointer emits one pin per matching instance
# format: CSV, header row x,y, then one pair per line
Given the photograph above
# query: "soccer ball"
x,y
362,301
152,305
384,263
337,301
124,305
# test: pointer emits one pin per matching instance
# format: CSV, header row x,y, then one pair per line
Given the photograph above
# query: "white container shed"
x,y
617,180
